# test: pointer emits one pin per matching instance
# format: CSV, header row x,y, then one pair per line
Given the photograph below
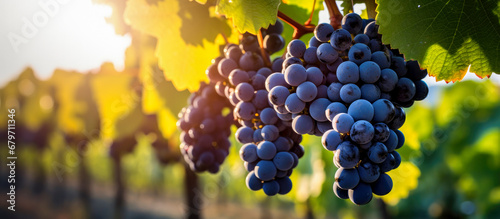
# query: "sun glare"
x,y
52,34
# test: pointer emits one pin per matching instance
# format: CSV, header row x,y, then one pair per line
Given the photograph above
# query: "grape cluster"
x,y
205,130
271,149
346,86
350,88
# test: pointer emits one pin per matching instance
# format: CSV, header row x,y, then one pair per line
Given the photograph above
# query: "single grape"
x,y
399,119
278,95
276,28
244,110
333,109
382,59
401,139
323,32
274,43
361,110
244,91
397,159
271,188
226,66
269,133
310,55
260,100
313,42
296,48
315,75
349,93
359,53
341,40
326,53
414,72
361,194
295,74
388,163
251,61
266,150
317,109
421,90
339,192
392,141
383,185
244,135
283,144
362,38
293,104
333,92
253,183
382,132
347,178
307,91
371,30
258,82
268,116
330,140
362,132
346,155
277,64
285,185
342,123
275,79
234,53
384,111
283,161
369,72
368,172
388,80
352,22
377,153
303,124
248,152
370,92
348,72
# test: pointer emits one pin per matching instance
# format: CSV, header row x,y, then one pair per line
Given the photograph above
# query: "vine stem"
x,y
298,29
335,15
263,52
225,38
308,22
371,5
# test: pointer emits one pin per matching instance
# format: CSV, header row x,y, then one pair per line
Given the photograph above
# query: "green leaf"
x,y
444,36
188,37
249,16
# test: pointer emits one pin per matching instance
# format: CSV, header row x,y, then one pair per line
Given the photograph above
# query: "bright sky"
x,y
67,34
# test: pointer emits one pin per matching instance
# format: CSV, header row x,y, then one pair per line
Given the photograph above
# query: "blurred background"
x,y
96,136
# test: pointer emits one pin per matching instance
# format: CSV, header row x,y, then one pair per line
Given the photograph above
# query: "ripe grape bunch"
x,y
352,92
205,130
346,86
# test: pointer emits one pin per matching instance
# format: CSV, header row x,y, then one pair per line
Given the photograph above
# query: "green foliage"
x,y
444,36
250,16
188,37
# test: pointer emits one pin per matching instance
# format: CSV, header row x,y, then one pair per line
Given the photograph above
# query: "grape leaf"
x,y
188,38
249,16
444,36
